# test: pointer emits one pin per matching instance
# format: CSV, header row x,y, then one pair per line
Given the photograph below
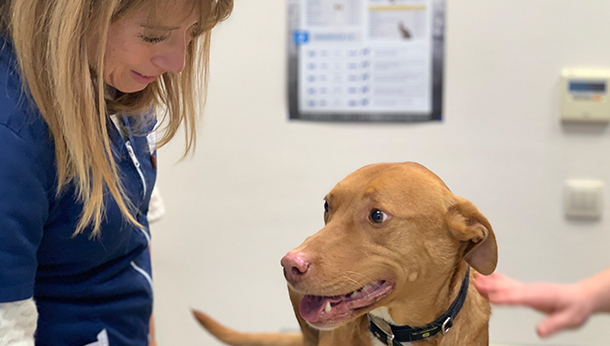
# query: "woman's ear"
x,y
469,226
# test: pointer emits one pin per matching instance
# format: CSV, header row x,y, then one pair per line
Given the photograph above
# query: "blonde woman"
x,y
80,84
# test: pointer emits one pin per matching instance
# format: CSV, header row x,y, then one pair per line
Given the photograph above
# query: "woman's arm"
x,y
567,306
151,332
156,210
18,323
597,289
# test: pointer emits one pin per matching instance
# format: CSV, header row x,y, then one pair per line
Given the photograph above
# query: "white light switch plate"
x,y
584,198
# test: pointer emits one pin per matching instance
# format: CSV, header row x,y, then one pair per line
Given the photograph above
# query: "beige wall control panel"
x,y
585,95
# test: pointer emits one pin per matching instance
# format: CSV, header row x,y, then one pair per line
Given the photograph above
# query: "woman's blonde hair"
x,y
53,41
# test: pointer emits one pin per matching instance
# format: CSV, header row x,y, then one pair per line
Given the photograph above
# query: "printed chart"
x,y
366,60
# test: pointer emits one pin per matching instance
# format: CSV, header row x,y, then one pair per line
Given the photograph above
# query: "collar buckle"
x,y
447,325
384,327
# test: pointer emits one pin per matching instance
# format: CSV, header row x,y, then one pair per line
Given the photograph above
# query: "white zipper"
x,y
146,235
136,163
138,167
144,274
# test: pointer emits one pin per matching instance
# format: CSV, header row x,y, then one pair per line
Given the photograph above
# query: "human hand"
x,y
566,306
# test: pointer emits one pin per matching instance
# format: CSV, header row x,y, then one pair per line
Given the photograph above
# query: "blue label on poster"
x,y
301,37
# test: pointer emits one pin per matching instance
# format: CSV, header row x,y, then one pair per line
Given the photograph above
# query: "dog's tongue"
x,y
311,307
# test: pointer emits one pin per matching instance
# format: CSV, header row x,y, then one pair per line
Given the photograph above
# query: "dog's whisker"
x,y
363,279
350,278
356,283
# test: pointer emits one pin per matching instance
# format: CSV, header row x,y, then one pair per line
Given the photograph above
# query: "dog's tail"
x,y
235,338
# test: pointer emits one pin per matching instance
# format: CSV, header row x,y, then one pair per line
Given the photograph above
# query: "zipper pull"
x,y
132,154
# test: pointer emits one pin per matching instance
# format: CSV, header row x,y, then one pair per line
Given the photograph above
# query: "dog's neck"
x,y
376,342
418,313
384,313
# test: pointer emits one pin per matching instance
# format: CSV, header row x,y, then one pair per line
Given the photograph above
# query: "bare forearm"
x,y
597,290
151,330
153,340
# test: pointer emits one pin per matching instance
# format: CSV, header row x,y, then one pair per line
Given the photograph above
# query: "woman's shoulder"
x,y
18,112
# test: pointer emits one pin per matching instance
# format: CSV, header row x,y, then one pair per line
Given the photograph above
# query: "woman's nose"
x,y
173,57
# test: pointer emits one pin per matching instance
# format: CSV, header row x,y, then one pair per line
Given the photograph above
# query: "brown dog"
x,y
396,250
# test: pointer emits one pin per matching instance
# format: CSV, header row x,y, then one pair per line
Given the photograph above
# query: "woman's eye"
x,y
326,207
152,39
377,216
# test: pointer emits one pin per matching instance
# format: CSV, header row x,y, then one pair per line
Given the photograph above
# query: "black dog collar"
x,y
392,335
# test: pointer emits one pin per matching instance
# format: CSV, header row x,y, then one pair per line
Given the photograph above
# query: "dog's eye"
x,y
377,216
325,207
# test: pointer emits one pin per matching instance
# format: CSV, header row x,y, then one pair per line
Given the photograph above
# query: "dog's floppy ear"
x,y
468,225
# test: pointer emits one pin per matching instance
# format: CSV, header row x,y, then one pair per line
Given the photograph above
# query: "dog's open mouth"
x,y
332,309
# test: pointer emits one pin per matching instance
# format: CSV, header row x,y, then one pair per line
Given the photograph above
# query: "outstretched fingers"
x,y
565,305
559,321
500,289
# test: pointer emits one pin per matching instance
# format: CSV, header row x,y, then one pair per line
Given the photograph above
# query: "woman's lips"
x,y
143,79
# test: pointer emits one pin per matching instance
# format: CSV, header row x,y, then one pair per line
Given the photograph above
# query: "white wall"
x,y
254,188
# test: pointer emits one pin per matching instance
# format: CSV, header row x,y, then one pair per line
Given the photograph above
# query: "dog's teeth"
x,y
327,308
366,288
355,293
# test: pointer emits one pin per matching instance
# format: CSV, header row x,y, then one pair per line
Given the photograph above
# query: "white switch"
x,y
584,198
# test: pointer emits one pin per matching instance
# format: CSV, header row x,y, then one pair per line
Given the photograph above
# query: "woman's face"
x,y
141,49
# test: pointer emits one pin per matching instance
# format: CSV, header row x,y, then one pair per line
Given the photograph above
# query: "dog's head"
x,y
392,231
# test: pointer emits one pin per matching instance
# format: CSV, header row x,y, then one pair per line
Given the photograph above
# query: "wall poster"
x,y
366,60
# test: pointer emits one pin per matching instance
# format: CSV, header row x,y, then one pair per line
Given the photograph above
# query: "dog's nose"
x,y
295,266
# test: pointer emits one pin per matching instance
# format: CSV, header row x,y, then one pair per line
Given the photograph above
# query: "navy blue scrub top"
x,y
85,288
